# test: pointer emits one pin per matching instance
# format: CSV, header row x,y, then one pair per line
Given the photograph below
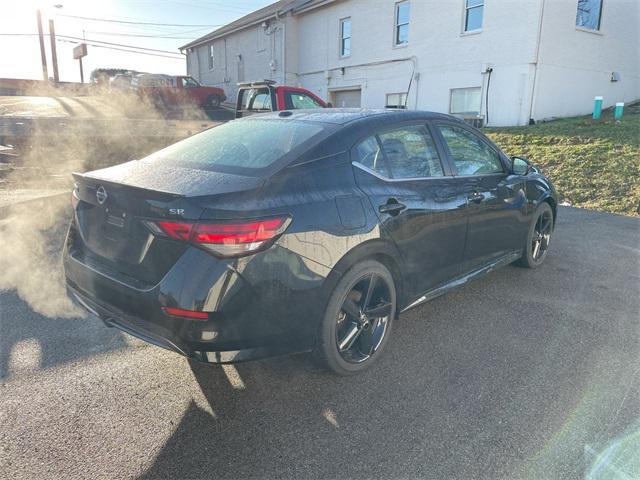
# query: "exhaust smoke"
x,y
86,133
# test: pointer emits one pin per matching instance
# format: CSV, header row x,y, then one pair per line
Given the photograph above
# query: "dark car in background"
x,y
299,231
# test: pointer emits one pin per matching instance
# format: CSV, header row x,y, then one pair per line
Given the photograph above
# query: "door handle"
x,y
476,197
392,207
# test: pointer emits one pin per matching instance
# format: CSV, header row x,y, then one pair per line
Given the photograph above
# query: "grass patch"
x,y
593,164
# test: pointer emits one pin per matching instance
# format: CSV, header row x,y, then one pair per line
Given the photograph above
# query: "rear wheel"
x,y
538,238
358,318
213,101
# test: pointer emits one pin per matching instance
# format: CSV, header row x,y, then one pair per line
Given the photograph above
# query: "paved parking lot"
x,y
523,374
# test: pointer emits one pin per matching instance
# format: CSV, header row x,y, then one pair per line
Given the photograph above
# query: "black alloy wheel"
x,y
539,238
358,319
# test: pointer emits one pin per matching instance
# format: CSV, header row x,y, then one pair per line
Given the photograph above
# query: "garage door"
x,y
347,98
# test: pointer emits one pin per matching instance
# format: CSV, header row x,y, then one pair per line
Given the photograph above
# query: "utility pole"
x,y
54,55
43,55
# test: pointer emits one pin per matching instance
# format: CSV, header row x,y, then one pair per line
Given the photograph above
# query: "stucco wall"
x,y
573,65
260,58
444,57
576,65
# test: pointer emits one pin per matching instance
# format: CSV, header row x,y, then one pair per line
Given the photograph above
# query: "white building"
x,y
513,60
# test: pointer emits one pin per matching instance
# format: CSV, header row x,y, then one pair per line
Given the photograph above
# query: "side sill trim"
x,y
441,290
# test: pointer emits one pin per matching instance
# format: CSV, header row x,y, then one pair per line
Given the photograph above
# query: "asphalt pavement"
x,y
527,374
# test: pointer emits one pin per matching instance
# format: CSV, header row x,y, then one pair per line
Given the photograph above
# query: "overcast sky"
x,y
20,55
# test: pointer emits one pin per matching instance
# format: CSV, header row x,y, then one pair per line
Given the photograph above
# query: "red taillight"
x,y
179,312
176,230
225,239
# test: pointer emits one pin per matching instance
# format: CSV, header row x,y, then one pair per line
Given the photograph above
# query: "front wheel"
x,y
538,237
358,318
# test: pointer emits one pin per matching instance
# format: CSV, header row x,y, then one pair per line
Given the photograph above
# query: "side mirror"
x,y
520,166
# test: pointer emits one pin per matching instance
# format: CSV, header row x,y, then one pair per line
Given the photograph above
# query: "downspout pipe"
x,y
284,42
536,61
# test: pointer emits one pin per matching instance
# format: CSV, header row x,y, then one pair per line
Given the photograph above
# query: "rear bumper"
x,y
258,306
163,338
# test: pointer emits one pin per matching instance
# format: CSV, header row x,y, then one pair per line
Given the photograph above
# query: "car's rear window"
x,y
245,147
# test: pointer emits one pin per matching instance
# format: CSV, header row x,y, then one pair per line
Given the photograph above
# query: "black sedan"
x,y
295,232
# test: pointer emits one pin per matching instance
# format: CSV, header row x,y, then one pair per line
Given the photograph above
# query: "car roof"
x,y
343,116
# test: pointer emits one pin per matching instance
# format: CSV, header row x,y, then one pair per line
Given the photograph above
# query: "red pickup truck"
x,y
169,91
266,96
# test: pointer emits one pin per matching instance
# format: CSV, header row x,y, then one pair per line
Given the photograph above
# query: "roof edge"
x,y
293,7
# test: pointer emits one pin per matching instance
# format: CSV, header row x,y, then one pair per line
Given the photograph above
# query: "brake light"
x,y
225,239
179,312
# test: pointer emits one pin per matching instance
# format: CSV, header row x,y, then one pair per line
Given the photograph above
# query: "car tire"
x,y
538,237
374,327
213,101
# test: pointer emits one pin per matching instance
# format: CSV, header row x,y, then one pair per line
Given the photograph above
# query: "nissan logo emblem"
x,y
101,195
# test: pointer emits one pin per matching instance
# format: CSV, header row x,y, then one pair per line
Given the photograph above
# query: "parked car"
x,y
300,231
174,91
267,96
121,81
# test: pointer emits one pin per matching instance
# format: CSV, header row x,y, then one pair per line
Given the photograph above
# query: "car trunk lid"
x,y
113,204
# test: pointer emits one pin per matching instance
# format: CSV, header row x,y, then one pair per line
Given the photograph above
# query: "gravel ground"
x,y
523,374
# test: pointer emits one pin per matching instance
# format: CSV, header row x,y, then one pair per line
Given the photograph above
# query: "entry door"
x,y
494,204
417,202
347,98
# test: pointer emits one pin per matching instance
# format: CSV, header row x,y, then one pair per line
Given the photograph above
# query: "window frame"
x,y
583,28
451,90
397,24
465,17
211,58
401,106
447,172
504,161
342,38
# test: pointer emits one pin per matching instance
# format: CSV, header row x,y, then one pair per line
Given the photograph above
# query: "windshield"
x,y
245,147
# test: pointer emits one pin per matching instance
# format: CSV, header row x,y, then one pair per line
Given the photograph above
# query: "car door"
x,y
495,204
419,206
191,90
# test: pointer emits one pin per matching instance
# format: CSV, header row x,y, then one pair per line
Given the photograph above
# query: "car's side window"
x,y
368,154
411,153
405,153
471,155
300,101
260,100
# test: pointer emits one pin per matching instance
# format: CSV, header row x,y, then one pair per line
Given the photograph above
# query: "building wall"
x,y
250,54
442,55
576,65
572,65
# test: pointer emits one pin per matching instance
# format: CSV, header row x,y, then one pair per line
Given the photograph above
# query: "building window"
x,y
589,14
211,58
465,101
396,100
403,10
345,37
473,13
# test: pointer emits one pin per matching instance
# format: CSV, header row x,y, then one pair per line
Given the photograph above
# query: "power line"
x,y
110,20
117,34
99,33
117,44
122,49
